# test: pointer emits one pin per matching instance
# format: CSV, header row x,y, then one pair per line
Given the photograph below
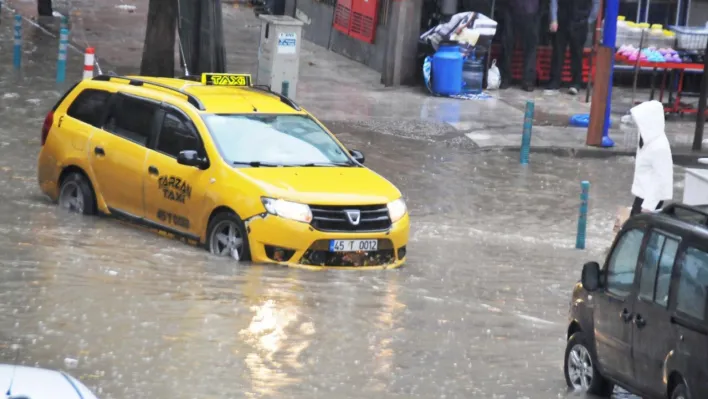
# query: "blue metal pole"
x,y
64,22
526,135
609,37
583,216
61,59
17,51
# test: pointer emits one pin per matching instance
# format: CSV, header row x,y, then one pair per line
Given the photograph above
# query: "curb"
x,y
681,158
562,151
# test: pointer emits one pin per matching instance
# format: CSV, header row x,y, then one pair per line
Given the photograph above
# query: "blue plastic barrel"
x,y
447,69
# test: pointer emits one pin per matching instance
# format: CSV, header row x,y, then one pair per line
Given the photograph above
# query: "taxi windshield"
x,y
274,140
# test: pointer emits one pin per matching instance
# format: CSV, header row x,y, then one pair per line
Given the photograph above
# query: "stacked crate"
x,y
543,63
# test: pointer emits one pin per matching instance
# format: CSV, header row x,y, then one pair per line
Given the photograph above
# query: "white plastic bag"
x,y
493,76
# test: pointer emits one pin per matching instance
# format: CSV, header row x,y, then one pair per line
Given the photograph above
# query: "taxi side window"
x,y
177,135
132,119
88,106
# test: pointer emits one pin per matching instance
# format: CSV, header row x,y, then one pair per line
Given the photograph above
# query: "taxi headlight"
x,y
287,209
396,210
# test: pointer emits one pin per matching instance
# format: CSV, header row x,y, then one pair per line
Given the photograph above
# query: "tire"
x,y
224,227
586,376
76,194
680,392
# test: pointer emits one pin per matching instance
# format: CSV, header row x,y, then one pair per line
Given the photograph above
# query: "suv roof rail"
x,y
139,82
283,99
695,210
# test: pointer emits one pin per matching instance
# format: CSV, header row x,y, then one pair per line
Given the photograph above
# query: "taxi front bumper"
x,y
273,239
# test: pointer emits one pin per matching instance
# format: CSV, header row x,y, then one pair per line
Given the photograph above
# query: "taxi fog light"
x,y
287,209
396,210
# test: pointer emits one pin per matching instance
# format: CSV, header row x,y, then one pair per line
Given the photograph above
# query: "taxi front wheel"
x,y
226,236
76,194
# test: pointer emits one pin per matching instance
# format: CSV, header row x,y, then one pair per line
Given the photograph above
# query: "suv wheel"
x,y
76,194
226,236
680,392
580,368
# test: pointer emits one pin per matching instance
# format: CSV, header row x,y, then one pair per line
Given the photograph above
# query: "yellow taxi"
x,y
238,168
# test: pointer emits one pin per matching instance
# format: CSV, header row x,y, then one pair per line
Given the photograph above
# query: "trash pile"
x,y
456,66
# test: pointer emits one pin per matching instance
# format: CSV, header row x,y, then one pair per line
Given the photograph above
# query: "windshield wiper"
x,y
316,164
256,164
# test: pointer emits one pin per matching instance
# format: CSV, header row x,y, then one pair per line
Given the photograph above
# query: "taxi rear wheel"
x,y
226,236
76,194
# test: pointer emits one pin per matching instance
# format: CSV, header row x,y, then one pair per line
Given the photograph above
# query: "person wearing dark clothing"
x,y
521,18
570,20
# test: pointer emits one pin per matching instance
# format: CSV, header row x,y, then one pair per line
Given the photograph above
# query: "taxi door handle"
x,y
153,171
99,151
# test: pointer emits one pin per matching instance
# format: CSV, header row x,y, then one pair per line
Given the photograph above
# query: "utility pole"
x,y
44,8
202,36
399,65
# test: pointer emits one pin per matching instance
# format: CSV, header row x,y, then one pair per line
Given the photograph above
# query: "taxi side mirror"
x,y
357,155
189,158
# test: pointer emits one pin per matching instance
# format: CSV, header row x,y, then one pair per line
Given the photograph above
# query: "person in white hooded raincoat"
x,y
654,167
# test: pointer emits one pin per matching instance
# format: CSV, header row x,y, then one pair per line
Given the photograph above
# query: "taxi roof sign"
x,y
227,79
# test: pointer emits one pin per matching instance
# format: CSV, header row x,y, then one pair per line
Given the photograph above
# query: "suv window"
x,y
623,263
693,283
88,106
132,119
176,135
658,263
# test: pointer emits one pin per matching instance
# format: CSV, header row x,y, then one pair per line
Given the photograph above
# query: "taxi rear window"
x,y
88,106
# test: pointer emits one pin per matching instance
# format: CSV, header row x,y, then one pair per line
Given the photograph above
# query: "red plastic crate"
x,y
543,63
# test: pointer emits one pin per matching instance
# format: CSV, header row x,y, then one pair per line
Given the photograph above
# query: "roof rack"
x,y
286,100
139,82
693,210
283,99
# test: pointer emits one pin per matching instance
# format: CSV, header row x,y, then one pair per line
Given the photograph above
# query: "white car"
x,y
21,382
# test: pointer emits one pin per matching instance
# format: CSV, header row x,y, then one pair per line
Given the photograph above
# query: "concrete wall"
x,y
371,55
318,17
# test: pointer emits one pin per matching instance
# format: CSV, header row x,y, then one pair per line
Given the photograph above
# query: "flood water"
x,y
479,310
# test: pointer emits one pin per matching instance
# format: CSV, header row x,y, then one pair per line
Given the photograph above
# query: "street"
x,y
478,311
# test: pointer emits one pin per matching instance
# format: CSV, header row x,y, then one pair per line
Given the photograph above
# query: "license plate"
x,y
353,245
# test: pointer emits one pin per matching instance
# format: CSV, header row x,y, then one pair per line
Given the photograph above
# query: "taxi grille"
x,y
337,218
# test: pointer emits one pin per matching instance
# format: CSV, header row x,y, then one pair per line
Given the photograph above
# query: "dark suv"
x,y
641,321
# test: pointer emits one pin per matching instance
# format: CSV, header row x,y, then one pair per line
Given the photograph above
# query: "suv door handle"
x,y
99,151
625,315
639,321
153,171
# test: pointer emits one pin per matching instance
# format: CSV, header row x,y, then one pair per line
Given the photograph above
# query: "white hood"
x,y
653,170
36,383
649,117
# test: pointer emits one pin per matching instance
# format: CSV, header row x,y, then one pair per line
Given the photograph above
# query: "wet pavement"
x,y
479,311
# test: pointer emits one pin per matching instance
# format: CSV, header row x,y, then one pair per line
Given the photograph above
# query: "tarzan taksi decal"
x,y
174,188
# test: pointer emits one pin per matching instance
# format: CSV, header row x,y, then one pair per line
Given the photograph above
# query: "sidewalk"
x,y
348,95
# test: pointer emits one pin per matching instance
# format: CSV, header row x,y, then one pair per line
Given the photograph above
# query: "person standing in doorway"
x,y
570,21
653,166
521,18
